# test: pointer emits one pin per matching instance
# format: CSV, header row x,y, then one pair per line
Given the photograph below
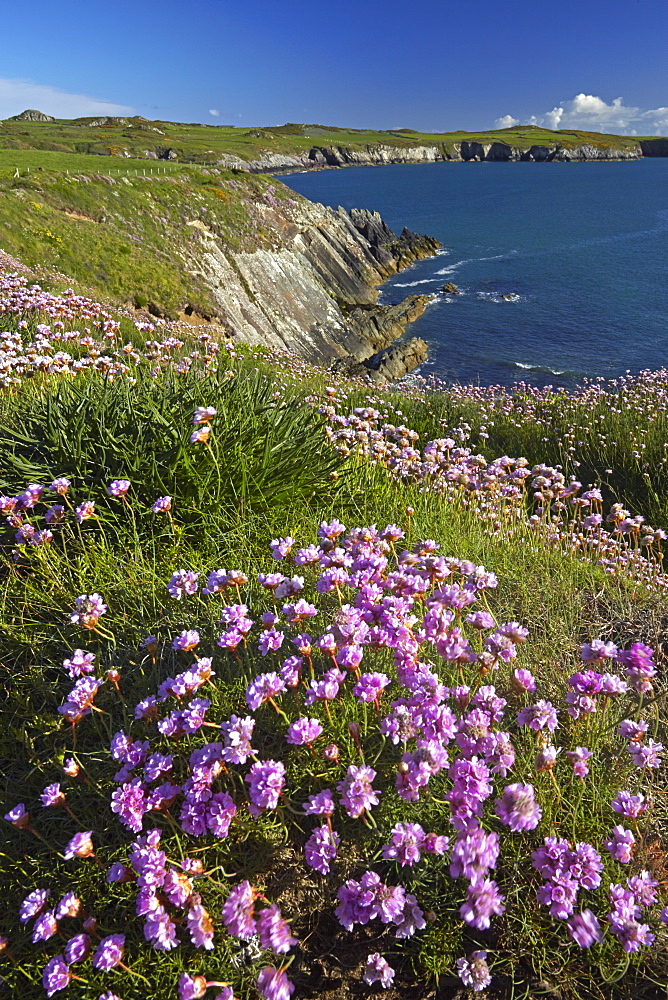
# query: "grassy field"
x,y
286,450
32,160
135,137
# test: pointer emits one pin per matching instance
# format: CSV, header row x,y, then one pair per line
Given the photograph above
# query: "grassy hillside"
x,y
173,558
135,137
128,234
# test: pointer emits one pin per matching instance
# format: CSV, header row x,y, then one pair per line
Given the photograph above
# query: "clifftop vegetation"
x,y
129,234
345,727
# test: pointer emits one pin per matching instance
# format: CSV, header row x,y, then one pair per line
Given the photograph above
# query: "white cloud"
x,y
17,95
655,122
215,112
589,113
506,122
553,118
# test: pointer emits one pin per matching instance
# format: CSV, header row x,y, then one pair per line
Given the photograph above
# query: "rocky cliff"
x,y
501,151
316,292
654,147
466,151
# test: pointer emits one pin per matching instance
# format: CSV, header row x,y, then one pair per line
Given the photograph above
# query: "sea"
x,y
562,267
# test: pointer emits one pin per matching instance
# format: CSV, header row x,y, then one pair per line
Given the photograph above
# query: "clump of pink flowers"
x,y
451,718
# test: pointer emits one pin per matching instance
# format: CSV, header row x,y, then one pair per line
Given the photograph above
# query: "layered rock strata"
x,y
316,292
388,365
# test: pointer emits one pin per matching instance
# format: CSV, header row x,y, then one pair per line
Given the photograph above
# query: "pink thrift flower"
x,y
357,793
304,731
517,808
203,414
273,984
85,511
80,846
321,848
578,759
266,779
33,904
162,505
56,975
523,680
621,844
18,816
274,931
238,911
109,952
585,929
629,805
52,796
186,640
88,609
474,971
377,970
201,434
118,488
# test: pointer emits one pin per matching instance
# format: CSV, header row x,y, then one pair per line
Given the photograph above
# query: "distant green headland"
x,y
298,146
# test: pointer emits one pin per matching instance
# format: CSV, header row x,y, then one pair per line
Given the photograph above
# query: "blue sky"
x,y
427,64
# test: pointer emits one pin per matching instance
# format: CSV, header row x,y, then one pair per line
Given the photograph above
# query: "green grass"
x,y
126,236
31,160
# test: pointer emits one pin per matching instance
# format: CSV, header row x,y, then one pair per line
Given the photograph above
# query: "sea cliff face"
x,y
466,151
316,292
654,147
496,151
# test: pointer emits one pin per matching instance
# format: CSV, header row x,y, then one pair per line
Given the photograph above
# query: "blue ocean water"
x,y
582,250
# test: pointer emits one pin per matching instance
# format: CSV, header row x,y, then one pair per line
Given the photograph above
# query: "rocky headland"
x,y
317,292
231,245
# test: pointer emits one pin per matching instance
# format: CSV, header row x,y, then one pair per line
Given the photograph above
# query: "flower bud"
x,y
355,730
331,752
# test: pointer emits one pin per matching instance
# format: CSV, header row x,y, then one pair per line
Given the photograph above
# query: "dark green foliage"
x,y
263,450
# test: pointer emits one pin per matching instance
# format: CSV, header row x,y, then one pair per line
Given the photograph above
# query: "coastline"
x,y
334,157
564,242
317,168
